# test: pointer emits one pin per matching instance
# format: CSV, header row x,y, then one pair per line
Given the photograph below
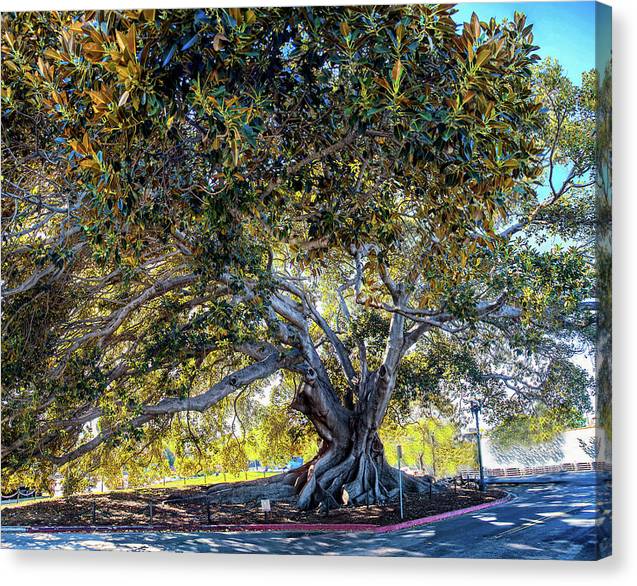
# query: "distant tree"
x,y
524,430
431,445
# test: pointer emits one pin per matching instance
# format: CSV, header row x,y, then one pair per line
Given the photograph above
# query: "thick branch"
x,y
201,402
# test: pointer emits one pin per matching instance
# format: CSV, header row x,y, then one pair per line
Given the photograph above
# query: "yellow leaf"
x,y
382,82
345,30
89,164
216,42
123,72
132,40
397,70
77,146
475,25
121,41
483,54
98,97
235,152
52,54
236,14
467,97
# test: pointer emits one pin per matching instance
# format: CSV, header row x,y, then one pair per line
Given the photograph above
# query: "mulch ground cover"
x,y
188,507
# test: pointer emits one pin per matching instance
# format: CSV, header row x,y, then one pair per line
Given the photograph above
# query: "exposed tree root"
x,y
329,477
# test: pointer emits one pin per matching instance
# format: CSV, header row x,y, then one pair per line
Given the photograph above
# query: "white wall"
x,y
565,448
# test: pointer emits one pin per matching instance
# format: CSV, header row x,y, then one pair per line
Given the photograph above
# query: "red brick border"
x,y
441,516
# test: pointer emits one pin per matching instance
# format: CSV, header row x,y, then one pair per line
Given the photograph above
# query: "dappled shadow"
x,y
195,509
558,521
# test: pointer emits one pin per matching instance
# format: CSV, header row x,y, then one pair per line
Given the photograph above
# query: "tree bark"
x,y
351,466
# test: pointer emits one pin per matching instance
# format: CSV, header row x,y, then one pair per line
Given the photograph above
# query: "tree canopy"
x,y
374,206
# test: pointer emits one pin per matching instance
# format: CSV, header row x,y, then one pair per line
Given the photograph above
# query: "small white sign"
x,y
58,487
265,505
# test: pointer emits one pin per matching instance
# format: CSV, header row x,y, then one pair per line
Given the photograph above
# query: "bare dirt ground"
x,y
188,507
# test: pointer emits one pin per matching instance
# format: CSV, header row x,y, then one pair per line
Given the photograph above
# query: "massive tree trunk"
x,y
351,465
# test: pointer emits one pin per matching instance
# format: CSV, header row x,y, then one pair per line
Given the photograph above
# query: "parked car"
x,y
254,466
295,462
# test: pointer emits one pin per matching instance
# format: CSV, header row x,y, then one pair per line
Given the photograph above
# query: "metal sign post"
x,y
475,409
399,452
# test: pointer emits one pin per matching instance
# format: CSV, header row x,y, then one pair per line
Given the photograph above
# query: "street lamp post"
x,y
475,409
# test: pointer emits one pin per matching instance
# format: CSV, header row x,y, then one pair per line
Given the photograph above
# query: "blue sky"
x,y
564,30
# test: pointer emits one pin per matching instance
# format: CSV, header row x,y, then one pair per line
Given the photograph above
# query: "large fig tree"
x,y
195,201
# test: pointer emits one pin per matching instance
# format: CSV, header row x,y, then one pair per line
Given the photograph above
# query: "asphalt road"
x,y
543,521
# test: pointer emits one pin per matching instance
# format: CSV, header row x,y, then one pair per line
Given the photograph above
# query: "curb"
x,y
201,528
292,527
442,516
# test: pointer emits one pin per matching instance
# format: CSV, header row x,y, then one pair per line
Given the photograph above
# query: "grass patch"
x,y
213,479
185,482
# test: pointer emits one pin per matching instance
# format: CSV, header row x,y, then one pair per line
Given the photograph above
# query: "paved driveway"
x,y
555,521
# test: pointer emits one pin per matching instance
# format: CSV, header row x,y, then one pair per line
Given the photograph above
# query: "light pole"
x,y
475,409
